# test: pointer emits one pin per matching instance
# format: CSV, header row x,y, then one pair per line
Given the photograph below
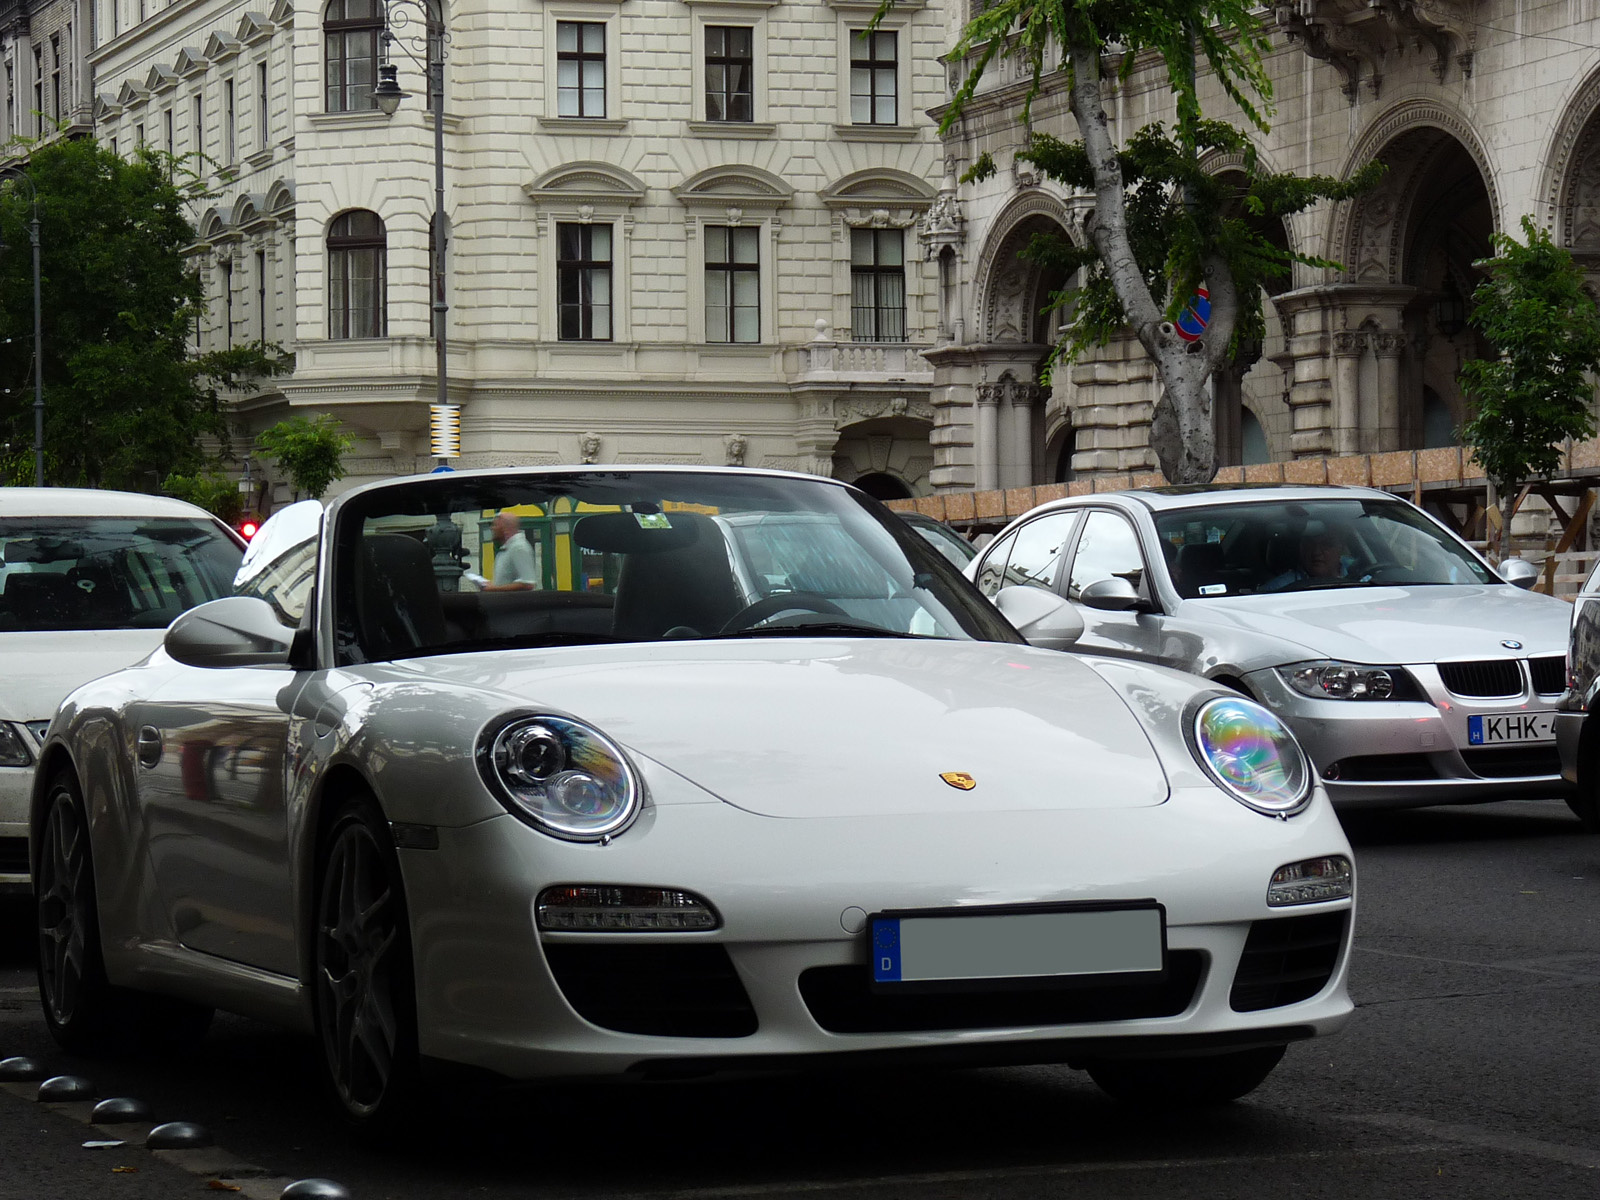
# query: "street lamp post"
x,y
388,94
19,174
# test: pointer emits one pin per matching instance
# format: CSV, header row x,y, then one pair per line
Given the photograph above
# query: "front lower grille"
x,y
1286,960
1549,674
668,991
13,856
841,1000
1489,677
1512,762
1382,768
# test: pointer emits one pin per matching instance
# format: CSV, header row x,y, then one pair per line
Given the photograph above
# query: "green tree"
x,y
1536,392
127,401
211,490
310,452
1162,226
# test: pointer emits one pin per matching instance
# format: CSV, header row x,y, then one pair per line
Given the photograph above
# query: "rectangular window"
x,y
261,295
730,73
11,96
230,143
166,130
227,303
138,136
199,146
55,75
874,71
877,285
580,69
733,284
583,282
38,87
262,130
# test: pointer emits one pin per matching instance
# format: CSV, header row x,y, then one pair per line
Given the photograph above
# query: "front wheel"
x,y
365,997
1196,1082
1586,807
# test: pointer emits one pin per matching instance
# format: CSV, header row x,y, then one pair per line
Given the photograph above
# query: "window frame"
x,y
1144,588
581,266
347,29
731,268
340,320
592,12
583,58
877,272
862,39
727,61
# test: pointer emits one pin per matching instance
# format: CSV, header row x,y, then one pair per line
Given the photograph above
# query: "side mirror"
x,y
1519,572
1110,595
1042,617
236,631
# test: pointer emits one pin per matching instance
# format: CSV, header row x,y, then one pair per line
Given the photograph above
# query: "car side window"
x,y
1108,549
992,575
285,582
1039,548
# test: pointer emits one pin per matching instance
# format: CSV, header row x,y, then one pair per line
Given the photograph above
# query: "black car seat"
x,y
397,597
687,584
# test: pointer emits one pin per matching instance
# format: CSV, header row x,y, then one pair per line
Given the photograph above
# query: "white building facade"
x,y
676,230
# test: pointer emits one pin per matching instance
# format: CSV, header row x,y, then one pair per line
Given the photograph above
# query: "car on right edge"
x,y
1577,734
1410,670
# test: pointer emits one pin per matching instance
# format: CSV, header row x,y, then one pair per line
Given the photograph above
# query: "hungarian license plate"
x,y
1498,729
1057,943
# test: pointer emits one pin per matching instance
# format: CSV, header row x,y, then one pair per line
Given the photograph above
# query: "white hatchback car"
x,y
89,582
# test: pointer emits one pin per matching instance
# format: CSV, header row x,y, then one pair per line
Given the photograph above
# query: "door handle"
x,y
149,746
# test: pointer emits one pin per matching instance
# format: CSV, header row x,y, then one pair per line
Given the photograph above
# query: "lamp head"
x,y
388,94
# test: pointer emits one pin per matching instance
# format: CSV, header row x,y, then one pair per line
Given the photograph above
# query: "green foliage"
x,y
127,402
1533,309
309,452
211,490
1227,34
1178,214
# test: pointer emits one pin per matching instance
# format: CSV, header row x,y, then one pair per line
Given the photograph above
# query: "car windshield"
x,y
1246,549
490,561
109,572
945,540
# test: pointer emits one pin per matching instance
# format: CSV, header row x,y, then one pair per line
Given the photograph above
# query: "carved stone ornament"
x,y
1348,343
733,449
1357,37
853,412
589,447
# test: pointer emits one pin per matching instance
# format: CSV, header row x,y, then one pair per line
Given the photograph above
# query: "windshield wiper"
x,y
817,629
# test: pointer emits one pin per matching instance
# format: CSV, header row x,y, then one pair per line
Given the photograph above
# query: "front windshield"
x,y
1247,549
59,573
476,562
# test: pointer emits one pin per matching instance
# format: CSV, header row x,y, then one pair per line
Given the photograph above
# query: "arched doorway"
x,y
1408,252
880,485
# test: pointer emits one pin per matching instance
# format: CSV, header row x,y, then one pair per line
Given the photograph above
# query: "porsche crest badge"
x,y
959,779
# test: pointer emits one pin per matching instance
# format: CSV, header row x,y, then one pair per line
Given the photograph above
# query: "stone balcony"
x,y
1362,38
825,362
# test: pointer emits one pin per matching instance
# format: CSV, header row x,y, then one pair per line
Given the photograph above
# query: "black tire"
x,y
1585,805
1198,1082
363,984
84,1012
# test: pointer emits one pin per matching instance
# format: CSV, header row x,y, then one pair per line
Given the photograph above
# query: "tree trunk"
x,y
1182,431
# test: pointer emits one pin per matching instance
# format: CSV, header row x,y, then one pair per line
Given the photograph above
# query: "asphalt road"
x,y
1472,1069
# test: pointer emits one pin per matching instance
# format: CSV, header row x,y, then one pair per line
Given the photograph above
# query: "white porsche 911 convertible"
x,y
653,772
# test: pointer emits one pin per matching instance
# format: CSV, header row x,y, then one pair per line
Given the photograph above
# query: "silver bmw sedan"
x,y
1411,672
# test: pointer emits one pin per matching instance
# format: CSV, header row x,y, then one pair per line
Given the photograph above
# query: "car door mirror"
x,y
236,631
1110,595
1042,617
1519,572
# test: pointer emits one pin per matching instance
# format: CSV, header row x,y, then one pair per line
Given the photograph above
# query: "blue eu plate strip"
x,y
1475,730
886,950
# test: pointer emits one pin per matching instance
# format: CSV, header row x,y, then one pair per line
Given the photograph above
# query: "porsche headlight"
x,y
14,750
1345,681
560,776
1252,755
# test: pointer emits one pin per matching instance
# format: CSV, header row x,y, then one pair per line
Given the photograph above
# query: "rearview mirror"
x,y
1519,572
236,631
1042,617
1110,595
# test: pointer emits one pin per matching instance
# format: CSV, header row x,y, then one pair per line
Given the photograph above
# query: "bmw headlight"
x,y
14,750
560,776
1252,755
1346,681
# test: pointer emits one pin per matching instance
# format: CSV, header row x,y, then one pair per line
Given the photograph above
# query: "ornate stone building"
x,y
677,230
44,82
1483,110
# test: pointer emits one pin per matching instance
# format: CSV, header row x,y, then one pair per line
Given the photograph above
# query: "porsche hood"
x,y
835,728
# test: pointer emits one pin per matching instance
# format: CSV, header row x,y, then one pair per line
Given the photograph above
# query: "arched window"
x,y
351,30
357,296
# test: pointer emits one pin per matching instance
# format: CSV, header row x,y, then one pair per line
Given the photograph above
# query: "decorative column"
x,y
1388,345
987,442
1019,418
1348,347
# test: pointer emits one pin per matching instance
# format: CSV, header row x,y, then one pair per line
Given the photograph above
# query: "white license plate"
x,y
1499,729
1055,943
